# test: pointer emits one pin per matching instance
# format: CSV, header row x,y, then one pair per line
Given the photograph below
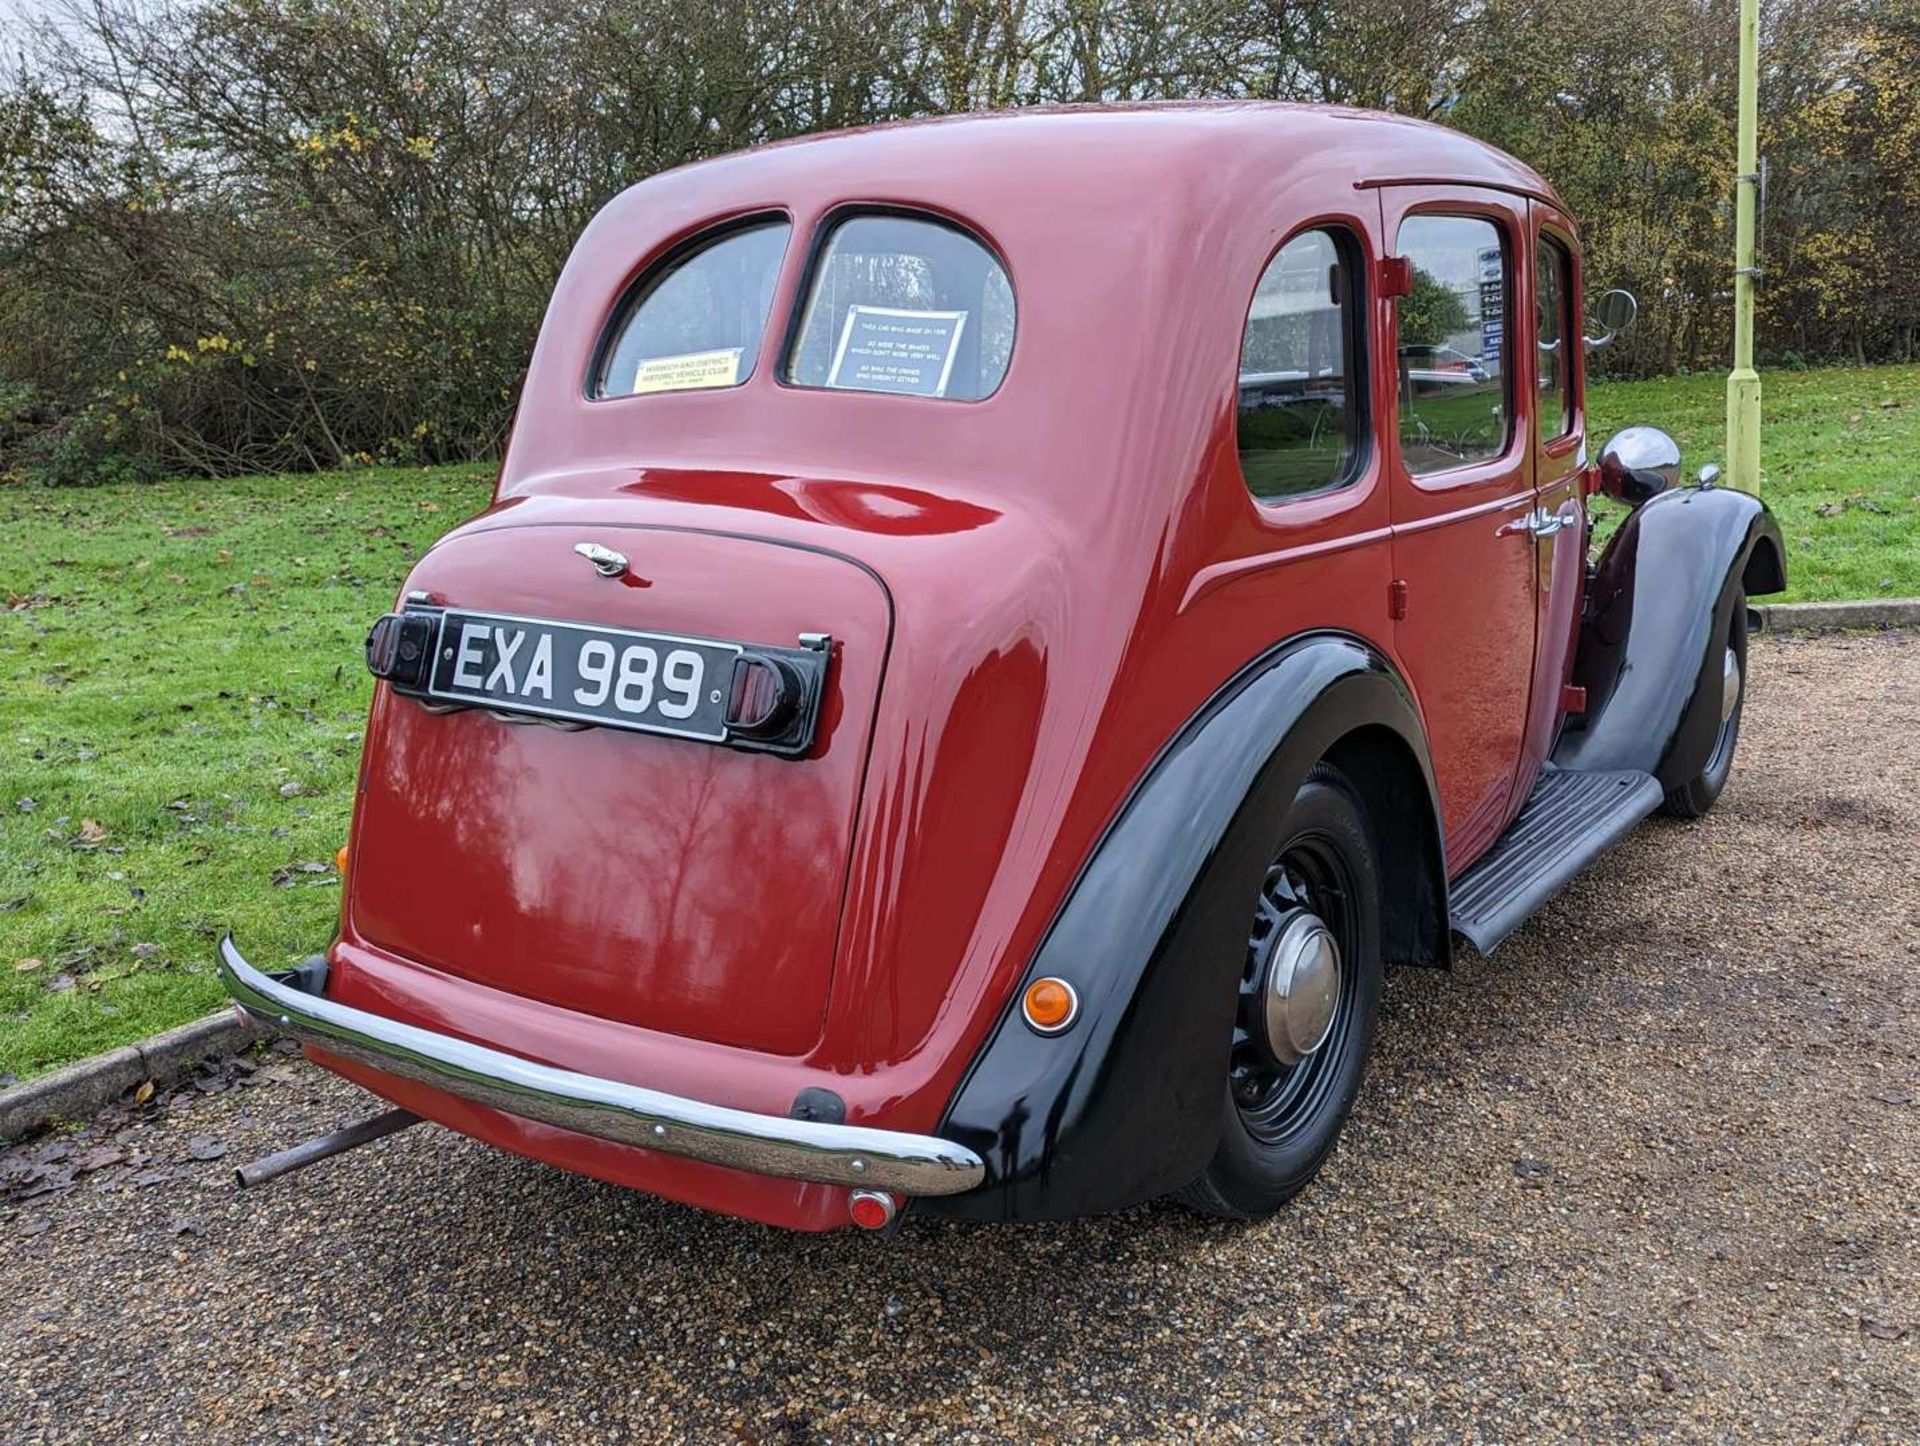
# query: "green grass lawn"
x,y
1840,466
181,699
181,691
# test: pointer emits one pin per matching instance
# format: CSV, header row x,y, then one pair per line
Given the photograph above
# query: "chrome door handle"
x,y
1537,523
1519,526
1546,523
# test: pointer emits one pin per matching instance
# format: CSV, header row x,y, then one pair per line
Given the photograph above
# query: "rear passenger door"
x,y
1461,495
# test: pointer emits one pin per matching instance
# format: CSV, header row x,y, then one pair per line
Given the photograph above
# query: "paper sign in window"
x,y
688,371
886,349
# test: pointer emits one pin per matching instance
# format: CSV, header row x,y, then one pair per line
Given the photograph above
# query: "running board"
x,y
1570,819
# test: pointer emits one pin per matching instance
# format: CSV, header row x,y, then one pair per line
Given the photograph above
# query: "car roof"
x,y
1095,147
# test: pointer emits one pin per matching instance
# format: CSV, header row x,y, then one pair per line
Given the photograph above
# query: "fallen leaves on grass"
x,y
25,964
290,876
91,833
1853,502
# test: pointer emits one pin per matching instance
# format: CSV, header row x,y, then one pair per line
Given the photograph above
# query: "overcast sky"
x,y
15,15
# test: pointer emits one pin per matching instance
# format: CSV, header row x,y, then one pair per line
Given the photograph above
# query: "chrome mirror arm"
x,y
1614,310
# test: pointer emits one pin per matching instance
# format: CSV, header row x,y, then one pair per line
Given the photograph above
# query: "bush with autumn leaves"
x,y
256,235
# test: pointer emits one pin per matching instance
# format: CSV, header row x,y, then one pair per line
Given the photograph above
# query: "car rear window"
x,y
696,321
907,305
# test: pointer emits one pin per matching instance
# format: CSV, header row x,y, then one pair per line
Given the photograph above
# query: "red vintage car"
x,y
991,636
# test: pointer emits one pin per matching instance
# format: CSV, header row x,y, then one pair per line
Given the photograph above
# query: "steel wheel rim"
x,y
1277,1102
1732,676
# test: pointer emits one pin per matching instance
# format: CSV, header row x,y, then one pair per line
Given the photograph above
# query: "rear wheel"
x,y
1697,795
1309,995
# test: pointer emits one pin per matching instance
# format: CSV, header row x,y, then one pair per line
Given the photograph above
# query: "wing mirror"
x,y
1638,464
1613,313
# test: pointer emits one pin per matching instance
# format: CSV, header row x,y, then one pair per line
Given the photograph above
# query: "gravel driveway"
x,y
1655,1168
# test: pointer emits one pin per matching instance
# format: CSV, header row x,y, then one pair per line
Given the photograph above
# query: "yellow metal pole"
x,y
1743,382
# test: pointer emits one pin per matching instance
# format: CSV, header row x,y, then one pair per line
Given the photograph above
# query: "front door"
x,y
1462,497
1559,470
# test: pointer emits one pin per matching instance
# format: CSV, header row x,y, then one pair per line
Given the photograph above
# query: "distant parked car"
x,y
1443,361
984,650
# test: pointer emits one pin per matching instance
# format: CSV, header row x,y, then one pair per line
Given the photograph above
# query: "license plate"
x,y
612,677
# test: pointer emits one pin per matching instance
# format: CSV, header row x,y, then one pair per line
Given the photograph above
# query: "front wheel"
x,y
1309,995
1697,794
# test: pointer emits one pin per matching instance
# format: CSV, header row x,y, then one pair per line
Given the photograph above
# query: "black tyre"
x,y
1697,794
1286,1096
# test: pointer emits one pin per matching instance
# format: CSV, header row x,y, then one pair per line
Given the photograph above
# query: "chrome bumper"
x,y
852,1155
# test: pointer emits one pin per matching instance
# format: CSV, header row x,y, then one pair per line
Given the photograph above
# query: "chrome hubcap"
x,y
1729,685
1302,988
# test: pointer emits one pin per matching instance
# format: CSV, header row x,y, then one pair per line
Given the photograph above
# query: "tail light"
x,y
400,646
766,694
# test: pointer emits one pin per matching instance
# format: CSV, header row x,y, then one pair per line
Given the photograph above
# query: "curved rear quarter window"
x,y
906,305
697,321
1301,403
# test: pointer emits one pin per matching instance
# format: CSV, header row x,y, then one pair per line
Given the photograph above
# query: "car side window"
x,y
1300,397
1455,403
1553,293
697,320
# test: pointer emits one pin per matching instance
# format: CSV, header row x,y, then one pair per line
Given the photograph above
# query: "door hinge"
x,y
1395,277
1572,699
1397,599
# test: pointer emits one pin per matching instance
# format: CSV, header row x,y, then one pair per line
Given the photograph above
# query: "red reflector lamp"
x,y
871,1209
